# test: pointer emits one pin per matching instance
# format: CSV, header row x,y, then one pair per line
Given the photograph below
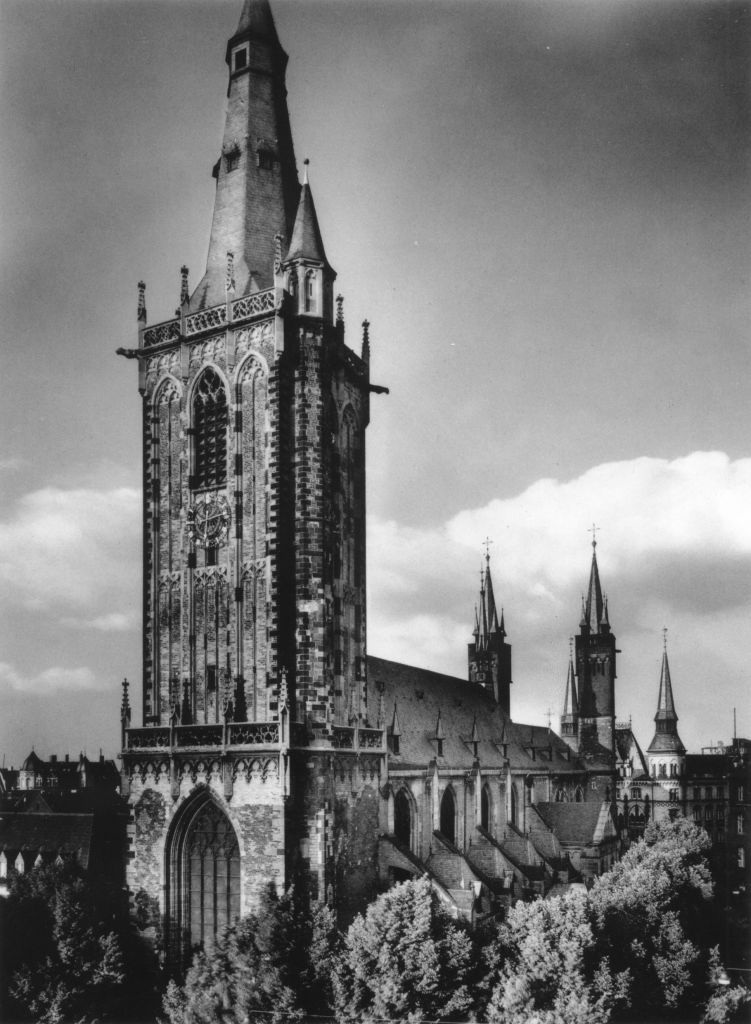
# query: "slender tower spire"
x,y
595,663
256,177
570,716
666,747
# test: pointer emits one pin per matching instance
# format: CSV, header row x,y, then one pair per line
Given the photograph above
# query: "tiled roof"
x,y
47,834
421,695
575,824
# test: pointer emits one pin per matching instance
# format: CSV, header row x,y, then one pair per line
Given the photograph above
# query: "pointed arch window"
x,y
204,877
403,818
514,809
485,809
210,431
448,815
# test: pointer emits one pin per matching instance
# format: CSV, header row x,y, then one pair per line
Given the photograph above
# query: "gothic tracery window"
x,y
212,876
210,431
448,815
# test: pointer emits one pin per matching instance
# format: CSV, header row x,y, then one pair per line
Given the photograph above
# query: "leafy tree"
x,y
273,965
648,914
549,969
62,958
405,960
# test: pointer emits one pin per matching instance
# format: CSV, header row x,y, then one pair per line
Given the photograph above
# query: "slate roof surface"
x,y
707,765
573,823
420,695
47,833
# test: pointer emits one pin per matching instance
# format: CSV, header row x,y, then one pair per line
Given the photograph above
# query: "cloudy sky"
x,y
542,207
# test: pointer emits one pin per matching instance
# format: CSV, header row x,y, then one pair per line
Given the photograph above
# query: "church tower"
x,y
489,656
595,653
666,754
254,418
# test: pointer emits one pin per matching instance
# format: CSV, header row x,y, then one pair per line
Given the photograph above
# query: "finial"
x,y
571,648
277,253
486,544
664,638
184,294
142,301
283,690
593,531
230,282
366,341
340,309
125,706
550,718
306,163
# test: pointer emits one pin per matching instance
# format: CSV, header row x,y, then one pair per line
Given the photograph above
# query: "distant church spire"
x,y
593,608
666,739
489,655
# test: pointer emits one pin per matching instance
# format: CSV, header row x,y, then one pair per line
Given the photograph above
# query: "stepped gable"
x,y
420,695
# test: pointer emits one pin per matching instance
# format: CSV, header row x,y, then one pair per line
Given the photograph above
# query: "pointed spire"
x,y
583,619
257,187
125,705
665,703
490,599
570,701
594,605
395,728
256,20
306,240
502,626
476,630
475,737
365,351
666,738
439,733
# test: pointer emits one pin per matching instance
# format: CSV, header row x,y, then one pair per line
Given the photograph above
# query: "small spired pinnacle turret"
x,y
489,655
570,715
666,751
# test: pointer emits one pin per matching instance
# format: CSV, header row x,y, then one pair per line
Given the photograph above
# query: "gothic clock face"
x,y
208,521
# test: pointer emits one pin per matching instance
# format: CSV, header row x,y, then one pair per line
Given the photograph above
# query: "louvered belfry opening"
x,y
210,431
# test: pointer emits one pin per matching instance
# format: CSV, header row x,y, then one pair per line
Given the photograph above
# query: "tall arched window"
x,y
213,877
204,877
403,818
210,431
514,809
485,808
448,815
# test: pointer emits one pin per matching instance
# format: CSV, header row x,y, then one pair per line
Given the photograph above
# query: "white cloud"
x,y
11,463
51,680
72,548
115,622
674,550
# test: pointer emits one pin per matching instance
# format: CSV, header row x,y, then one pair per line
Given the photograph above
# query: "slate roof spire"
x,y
593,607
666,738
306,240
257,190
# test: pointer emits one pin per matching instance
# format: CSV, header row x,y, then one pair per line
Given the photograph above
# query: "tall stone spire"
x,y
256,176
666,739
593,607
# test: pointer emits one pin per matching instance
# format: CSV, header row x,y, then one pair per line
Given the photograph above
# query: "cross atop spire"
x,y
486,544
593,531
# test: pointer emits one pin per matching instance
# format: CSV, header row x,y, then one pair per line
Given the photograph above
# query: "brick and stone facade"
x,y
265,756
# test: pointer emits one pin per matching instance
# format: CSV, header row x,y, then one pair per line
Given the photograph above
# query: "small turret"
x,y
666,752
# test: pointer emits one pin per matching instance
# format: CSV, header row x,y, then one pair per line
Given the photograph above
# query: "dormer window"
x,y
240,58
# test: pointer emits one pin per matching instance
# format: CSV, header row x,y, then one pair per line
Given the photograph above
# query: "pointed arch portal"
x,y
204,875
